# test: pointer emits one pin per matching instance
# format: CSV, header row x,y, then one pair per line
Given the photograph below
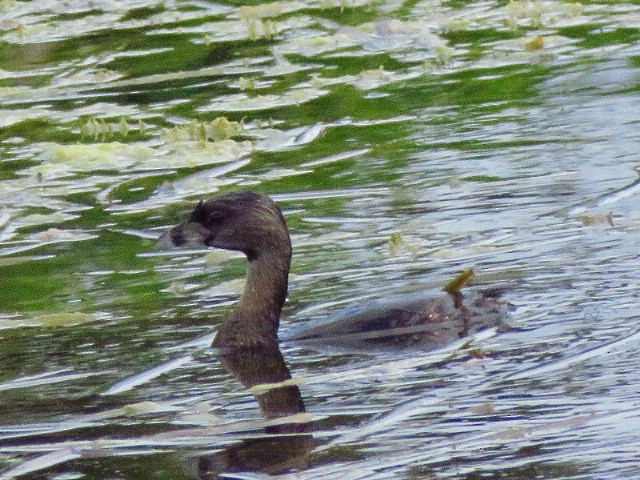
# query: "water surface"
x,y
405,142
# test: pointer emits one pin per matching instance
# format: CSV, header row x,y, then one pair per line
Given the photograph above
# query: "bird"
x,y
253,224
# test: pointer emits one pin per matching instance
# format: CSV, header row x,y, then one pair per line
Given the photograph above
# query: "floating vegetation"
x,y
536,43
257,29
454,286
540,14
444,54
258,19
61,160
261,11
397,243
590,220
443,57
101,129
524,47
216,130
246,83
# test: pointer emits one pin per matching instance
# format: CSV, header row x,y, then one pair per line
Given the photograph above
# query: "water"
x,y
492,136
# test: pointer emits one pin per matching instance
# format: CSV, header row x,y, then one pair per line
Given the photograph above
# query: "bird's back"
x,y
423,322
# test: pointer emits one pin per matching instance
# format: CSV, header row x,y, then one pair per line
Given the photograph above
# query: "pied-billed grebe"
x,y
253,224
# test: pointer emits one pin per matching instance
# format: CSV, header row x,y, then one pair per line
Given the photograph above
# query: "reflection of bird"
x,y
253,224
286,441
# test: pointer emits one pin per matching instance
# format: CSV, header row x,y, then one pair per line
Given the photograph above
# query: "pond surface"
x,y
404,142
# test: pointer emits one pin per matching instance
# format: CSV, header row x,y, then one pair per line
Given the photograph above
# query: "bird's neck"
x,y
255,321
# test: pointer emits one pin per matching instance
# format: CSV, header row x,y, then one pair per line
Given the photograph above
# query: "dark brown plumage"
x,y
253,224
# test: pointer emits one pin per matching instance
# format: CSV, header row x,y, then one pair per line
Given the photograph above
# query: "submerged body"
x,y
253,224
409,321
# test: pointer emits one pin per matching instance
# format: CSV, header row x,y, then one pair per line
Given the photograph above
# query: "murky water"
x,y
497,137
